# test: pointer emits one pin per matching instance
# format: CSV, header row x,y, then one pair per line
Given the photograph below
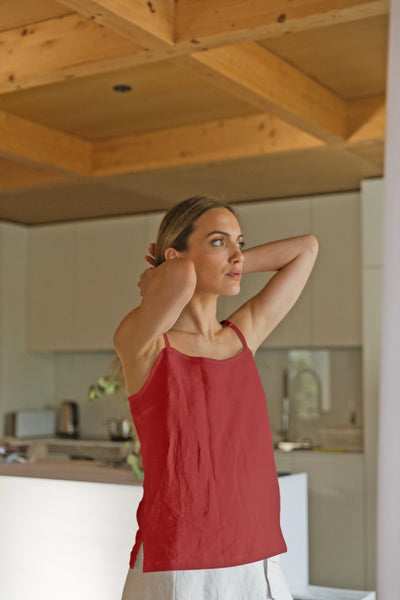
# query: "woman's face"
x,y
215,249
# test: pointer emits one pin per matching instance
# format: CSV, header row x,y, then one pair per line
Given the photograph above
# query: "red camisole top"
x,y
210,491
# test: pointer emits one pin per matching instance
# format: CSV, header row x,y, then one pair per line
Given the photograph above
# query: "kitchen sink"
x,y
290,446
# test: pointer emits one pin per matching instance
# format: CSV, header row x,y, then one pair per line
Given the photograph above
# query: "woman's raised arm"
x,y
166,290
294,259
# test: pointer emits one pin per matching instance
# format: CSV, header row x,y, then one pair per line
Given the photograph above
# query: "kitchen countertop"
x,y
71,470
64,468
317,452
53,458
75,470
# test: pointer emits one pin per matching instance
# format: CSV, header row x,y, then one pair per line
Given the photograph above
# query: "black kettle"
x,y
69,420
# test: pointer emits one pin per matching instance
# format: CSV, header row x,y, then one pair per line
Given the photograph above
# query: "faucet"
x,y
318,396
286,408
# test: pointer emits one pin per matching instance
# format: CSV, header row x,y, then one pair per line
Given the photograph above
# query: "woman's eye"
x,y
221,241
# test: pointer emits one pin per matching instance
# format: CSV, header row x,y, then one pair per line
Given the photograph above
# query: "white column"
x,y
389,411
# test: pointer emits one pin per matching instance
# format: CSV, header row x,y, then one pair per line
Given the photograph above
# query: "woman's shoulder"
x,y
241,319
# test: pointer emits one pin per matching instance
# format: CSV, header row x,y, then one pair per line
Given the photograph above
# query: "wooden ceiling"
x,y
249,99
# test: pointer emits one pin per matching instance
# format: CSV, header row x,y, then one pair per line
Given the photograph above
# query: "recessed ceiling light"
x,y
122,88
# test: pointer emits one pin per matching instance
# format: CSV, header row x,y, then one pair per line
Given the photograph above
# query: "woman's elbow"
x,y
314,244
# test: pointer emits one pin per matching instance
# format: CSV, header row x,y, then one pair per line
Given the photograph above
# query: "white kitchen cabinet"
x,y
328,311
336,500
336,278
51,287
83,276
110,259
267,222
73,538
83,280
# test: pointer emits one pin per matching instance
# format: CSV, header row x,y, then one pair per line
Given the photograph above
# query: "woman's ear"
x,y
171,253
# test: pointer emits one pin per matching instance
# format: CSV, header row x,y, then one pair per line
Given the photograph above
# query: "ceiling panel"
x,y
19,175
349,58
18,13
315,171
54,203
163,96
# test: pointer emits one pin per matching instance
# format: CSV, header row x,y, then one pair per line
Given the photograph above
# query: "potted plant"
x,y
111,385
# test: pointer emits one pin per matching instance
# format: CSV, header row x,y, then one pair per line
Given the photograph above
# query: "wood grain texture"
x,y
38,145
56,50
215,141
266,81
247,98
19,13
147,23
235,21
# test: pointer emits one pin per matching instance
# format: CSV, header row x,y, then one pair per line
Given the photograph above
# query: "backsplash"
x,y
332,398
74,373
325,389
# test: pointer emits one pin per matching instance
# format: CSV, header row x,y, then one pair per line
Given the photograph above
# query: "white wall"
x,y
389,408
26,379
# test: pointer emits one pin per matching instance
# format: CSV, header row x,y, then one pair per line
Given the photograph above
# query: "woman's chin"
x,y
231,292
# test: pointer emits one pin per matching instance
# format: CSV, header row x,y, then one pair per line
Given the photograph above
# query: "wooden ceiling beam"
x,y
366,120
24,141
367,129
59,49
209,142
222,22
216,141
39,146
270,84
150,24
73,45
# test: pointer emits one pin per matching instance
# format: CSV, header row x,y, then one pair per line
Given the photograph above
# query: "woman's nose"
x,y
236,253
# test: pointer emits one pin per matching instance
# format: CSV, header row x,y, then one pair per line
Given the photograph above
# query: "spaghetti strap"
x,y
237,330
167,344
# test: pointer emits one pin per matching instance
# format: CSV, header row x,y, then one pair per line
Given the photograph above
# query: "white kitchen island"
x,y
64,537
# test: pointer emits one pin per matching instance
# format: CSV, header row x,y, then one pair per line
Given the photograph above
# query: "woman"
x,y
209,520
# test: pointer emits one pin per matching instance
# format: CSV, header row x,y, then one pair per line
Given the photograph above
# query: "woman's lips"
x,y
234,275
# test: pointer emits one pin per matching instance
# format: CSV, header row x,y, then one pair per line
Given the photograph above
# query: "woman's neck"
x,y
199,316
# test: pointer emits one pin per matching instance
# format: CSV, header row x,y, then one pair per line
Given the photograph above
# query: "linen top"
x,y
210,491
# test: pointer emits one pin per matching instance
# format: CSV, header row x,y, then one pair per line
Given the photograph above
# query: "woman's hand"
x,y
145,279
147,275
150,258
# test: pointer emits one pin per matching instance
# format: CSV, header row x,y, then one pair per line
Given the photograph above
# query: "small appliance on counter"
x,y
30,423
119,430
68,420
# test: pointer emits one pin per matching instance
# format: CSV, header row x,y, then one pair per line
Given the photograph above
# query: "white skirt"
x,y
261,580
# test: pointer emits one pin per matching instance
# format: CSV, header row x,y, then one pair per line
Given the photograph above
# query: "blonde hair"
x,y
178,223
174,231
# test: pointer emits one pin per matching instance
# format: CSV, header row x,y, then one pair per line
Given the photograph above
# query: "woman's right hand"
x,y
165,290
150,258
147,275
145,279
